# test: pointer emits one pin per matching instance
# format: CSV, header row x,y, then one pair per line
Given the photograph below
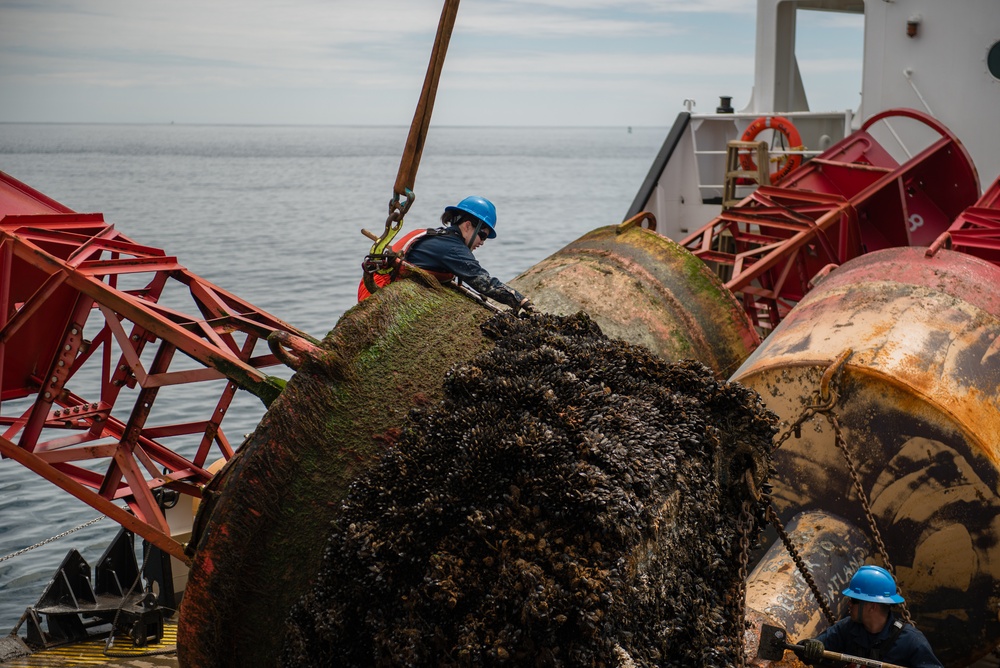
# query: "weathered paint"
x,y
918,399
777,594
65,321
645,289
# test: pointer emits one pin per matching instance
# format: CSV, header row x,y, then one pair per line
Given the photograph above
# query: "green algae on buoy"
x,y
573,500
265,518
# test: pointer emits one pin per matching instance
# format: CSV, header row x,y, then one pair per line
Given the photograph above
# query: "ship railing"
x,y
711,134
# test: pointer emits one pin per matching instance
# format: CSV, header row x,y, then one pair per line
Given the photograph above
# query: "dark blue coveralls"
x,y
909,649
444,251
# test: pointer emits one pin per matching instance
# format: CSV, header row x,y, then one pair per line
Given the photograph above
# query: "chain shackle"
x,y
379,260
398,206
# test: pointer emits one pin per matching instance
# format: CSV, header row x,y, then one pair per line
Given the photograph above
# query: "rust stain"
x,y
645,289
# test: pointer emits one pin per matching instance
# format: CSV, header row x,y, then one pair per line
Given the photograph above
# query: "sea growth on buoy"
x,y
573,500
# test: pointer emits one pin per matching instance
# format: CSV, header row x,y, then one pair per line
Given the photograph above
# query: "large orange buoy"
x,y
904,351
781,125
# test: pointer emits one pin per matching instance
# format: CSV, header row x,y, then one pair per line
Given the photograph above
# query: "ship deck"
x,y
91,653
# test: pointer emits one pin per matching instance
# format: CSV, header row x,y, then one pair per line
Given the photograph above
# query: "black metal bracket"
x,y
76,606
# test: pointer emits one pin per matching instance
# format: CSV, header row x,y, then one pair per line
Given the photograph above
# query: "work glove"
x,y
525,308
812,650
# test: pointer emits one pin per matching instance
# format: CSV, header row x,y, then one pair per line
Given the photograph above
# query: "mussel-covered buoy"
x,y
264,521
573,500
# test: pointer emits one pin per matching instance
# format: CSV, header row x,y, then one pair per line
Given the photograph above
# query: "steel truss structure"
x,y
80,300
977,230
852,199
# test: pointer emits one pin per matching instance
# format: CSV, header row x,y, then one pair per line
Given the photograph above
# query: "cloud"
x,y
348,61
621,66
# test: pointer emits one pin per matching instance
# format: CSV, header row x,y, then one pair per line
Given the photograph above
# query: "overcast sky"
x,y
510,62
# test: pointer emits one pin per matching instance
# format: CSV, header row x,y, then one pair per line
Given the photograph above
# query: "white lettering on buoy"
x,y
916,220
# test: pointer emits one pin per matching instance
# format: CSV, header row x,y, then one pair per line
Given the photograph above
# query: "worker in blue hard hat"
x,y
872,630
446,252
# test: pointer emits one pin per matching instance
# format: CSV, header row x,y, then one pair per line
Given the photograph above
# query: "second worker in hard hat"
x,y
446,252
872,631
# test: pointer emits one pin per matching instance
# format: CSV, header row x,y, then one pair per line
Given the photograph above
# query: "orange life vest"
x,y
401,247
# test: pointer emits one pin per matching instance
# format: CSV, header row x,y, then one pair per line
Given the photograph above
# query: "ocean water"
x,y
274,215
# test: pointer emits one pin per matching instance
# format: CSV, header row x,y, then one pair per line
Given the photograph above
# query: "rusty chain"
x,y
744,526
796,427
826,399
772,517
869,516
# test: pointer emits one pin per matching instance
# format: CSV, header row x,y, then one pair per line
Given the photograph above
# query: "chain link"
x,y
381,259
772,517
52,539
744,526
796,427
827,398
393,223
866,506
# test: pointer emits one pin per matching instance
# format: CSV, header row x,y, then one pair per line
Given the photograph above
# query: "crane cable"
x,y
380,260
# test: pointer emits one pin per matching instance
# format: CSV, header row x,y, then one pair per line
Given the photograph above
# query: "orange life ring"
x,y
791,134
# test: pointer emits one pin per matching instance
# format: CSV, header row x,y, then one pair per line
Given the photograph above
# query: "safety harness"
x,y
395,263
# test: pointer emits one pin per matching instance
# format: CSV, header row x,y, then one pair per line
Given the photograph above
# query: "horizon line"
x,y
319,125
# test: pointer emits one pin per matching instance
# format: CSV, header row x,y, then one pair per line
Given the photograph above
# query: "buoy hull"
x,y
643,288
905,350
270,506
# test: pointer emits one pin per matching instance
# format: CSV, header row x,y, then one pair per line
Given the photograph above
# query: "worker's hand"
x,y
525,308
812,650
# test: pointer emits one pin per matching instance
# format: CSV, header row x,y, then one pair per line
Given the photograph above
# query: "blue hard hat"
x,y
874,584
480,208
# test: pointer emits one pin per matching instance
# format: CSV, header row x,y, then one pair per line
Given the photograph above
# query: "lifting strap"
x,y
380,260
422,116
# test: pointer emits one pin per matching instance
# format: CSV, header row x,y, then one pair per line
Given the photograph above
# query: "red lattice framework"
x,y
853,198
66,315
977,230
